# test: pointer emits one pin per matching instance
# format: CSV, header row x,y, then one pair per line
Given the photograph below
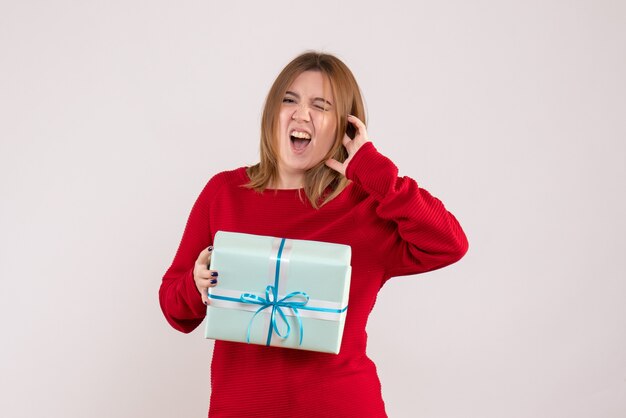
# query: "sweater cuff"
x,y
373,171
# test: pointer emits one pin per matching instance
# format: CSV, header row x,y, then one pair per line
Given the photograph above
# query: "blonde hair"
x,y
321,183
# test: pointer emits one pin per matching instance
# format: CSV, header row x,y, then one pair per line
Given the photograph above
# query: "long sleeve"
x,y
420,234
180,300
393,228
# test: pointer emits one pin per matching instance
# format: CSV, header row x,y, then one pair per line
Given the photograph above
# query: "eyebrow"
x,y
315,99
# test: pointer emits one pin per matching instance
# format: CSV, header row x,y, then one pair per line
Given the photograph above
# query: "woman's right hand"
x,y
204,277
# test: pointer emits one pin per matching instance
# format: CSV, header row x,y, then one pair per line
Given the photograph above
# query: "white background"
x,y
113,115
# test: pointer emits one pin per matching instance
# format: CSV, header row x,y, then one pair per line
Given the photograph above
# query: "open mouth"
x,y
300,140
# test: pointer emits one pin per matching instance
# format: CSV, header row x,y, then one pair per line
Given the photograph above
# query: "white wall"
x,y
114,114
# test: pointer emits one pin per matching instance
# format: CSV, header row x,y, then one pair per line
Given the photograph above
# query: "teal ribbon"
x,y
288,301
293,301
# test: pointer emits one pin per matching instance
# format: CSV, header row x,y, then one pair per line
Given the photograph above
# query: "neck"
x,y
288,180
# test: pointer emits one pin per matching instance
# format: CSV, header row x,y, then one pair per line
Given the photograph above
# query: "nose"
x,y
301,113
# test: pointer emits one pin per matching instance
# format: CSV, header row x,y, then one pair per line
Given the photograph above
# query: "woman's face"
x,y
307,124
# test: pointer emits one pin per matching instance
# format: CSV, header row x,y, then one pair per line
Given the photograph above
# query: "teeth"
x,y
301,135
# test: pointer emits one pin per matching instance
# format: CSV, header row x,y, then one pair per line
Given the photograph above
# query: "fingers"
x,y
205,256
203,273
205,295
351,145
361,129
205,283
336,165
203,276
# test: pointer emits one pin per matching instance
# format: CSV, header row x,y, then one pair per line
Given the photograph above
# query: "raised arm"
x,y
422,234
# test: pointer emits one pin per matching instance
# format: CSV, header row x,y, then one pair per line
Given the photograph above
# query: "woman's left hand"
x,y
352,145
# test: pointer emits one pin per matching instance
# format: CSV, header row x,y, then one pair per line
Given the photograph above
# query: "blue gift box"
x,y
279,292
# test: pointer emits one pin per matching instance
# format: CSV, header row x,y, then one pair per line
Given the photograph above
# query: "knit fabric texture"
x,y
394,228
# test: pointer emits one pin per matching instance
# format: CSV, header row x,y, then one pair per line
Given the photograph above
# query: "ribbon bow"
x,y
293,301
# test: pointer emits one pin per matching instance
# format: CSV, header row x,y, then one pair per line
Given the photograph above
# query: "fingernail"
x,y
214,273
213,281
210,248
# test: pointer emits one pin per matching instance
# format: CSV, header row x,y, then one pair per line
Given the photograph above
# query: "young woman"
x,y
314,181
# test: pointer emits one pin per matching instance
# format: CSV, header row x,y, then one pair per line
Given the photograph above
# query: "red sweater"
x,y
394,228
